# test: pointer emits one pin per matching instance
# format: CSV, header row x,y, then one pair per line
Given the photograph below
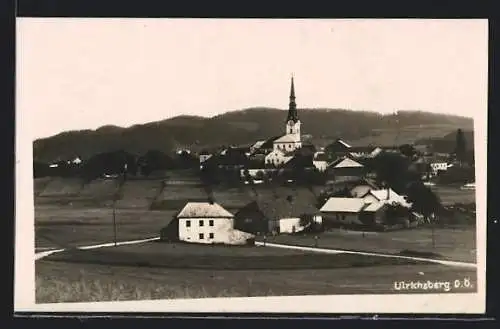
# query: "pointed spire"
x,y
292,107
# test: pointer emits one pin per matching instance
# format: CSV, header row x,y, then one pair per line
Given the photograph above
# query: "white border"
x,y
24,285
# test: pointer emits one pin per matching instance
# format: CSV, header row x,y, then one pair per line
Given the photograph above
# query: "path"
x,y
353,252
43,254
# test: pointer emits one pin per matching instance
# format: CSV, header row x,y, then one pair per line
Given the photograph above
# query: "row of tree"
x,y
117,162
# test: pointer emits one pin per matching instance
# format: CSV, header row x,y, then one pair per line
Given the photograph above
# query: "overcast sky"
x,y
85,73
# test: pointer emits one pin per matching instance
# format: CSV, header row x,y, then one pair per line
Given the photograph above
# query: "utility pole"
x,y
114,221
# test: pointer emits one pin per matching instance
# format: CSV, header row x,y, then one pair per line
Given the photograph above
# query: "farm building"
x,y
386,196
281,214
204,222
338,148
343,210
345,168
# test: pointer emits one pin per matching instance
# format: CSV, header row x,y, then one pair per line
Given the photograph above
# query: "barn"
x,y
283,214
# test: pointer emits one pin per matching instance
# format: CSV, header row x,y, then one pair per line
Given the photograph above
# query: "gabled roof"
x,y
343,143
288,138
203,210
360,191
353,205
268,144
320,156
290,205
374,206
258,144
346,163
381,195
300,161
384,194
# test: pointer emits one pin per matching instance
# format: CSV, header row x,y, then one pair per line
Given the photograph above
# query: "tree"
x,y
423,199
407,150
460,146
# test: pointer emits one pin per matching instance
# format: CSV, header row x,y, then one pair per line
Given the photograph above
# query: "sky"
x,y
83,73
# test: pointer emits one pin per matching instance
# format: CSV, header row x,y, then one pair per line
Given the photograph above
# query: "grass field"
x,y
451,195
191,256
64,282
66,226
457,243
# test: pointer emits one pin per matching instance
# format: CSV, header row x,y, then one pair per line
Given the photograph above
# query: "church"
x,y
291,140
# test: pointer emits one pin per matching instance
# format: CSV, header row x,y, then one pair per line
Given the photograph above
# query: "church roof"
x,y
288,138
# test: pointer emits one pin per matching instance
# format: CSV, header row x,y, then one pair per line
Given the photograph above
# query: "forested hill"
x,y
245,127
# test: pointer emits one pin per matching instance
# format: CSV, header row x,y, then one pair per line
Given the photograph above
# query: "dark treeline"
x,y
116,163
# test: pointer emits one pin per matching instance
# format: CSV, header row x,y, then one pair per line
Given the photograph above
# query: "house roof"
x,y
288,138
362,149
287,203
374,206
300,161
346,163
269,143
343,143
360,191
320,156
258,144
381,195
203,210
353,205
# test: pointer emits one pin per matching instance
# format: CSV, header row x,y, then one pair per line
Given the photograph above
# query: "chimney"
x,y
388,193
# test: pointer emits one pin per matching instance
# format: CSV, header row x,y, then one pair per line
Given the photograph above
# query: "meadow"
x,y
236,258
453,243
65,218
65,282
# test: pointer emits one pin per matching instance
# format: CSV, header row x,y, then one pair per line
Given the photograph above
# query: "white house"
x,y
277,158
207,223
320,161
387,196
437,166
77,161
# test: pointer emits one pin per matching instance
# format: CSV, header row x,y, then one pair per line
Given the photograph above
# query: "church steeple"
x,y
292,107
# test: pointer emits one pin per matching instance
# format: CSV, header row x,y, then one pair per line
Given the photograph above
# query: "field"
x,y
64,282
163,270
65,226
189,256
450,195
458,243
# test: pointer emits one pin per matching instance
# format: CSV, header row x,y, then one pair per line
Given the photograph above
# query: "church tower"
x,y
292,121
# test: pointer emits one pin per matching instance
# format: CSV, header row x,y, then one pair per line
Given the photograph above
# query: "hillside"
x,y
244,127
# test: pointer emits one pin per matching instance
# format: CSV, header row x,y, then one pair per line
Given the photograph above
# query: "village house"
x,y
385,196
277,158
436,167
343,210
320,161
345,169
353,211
205,223
290,213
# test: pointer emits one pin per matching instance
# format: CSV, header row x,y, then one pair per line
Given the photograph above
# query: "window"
x,y
201,236
211,236
188,223
201,223
211,222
